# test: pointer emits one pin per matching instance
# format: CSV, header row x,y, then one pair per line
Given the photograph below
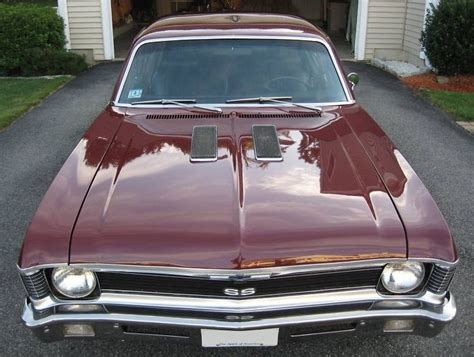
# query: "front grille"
x,y
306,331
36,285
184,334
440,278
161,331
279,285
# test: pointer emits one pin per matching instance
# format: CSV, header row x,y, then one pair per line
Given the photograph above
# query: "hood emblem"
x,y
239,318
239,292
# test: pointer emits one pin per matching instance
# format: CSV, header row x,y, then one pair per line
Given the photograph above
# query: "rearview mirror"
x,y
353,78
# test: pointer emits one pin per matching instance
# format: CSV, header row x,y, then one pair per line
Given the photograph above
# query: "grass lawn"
x,y
18,95
38,2
460,104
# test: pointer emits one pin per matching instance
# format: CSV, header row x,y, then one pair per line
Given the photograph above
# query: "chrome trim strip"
x,y
33,269
350,99
237,105
444,313
435,261
234,306
232,273
32,272
229,273
227,305
241,278
203,160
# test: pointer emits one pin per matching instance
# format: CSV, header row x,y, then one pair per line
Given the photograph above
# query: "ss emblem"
x,y
239,292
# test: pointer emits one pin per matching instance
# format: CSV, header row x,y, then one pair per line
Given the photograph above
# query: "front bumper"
x,y
125,315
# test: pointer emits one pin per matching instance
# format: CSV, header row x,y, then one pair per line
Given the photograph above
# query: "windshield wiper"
x,y
181,103
281,100
165,101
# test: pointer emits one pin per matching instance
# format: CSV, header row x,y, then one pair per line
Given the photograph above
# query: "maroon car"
x,y
233,193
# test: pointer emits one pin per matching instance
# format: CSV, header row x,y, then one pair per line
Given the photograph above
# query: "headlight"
x,y
403,277
74,282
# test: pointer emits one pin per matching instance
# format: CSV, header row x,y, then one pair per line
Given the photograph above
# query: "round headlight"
x,y
403,277
74,282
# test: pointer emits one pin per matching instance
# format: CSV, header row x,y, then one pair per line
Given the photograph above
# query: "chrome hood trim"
x,y
256,273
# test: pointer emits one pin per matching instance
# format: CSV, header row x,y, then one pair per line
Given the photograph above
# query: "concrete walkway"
x,y
468,125
33,149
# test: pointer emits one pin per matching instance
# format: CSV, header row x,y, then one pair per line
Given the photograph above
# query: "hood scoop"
x,y
266,143
204,143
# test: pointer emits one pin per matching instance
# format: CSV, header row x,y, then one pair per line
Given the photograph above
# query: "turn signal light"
x,y
399,326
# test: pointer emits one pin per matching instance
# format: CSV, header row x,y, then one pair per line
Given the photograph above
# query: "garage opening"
x,y
337,17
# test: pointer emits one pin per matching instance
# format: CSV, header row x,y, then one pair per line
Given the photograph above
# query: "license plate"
x,y
253,338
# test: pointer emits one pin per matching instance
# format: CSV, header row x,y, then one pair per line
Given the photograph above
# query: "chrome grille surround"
x,y
266,286
36,284
437,282
440,278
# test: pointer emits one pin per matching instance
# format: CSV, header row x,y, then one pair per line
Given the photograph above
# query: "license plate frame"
x,y
248,338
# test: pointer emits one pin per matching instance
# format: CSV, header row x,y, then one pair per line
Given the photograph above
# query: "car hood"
x,y
149,204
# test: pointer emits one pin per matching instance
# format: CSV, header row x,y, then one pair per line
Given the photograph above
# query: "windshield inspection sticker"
x,y
135,93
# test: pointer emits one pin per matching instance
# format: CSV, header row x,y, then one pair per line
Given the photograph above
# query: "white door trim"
x,y
361,31
62,11
107,29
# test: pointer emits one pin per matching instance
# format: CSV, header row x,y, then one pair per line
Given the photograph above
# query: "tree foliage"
x,y
448,38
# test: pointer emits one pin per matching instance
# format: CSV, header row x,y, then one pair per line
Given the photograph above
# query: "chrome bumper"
x,y
428,313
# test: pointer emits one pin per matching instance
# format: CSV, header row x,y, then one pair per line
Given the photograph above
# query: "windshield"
x,y
215,71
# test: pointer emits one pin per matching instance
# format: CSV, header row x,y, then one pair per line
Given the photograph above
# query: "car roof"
x,y
245,24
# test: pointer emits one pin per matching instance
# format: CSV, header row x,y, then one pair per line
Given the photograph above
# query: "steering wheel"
x,y
283,82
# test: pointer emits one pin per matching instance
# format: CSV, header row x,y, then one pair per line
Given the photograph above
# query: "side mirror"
x,y
353,78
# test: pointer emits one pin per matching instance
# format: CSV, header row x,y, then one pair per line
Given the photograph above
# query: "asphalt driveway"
x,y
33,149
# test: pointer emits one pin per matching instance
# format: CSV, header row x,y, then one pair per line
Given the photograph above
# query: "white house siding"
x,y
415,15
385,29
85,27
393,28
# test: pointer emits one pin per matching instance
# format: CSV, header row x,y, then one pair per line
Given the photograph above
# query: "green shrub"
x,y
32,42
38,2
448,38
50,61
